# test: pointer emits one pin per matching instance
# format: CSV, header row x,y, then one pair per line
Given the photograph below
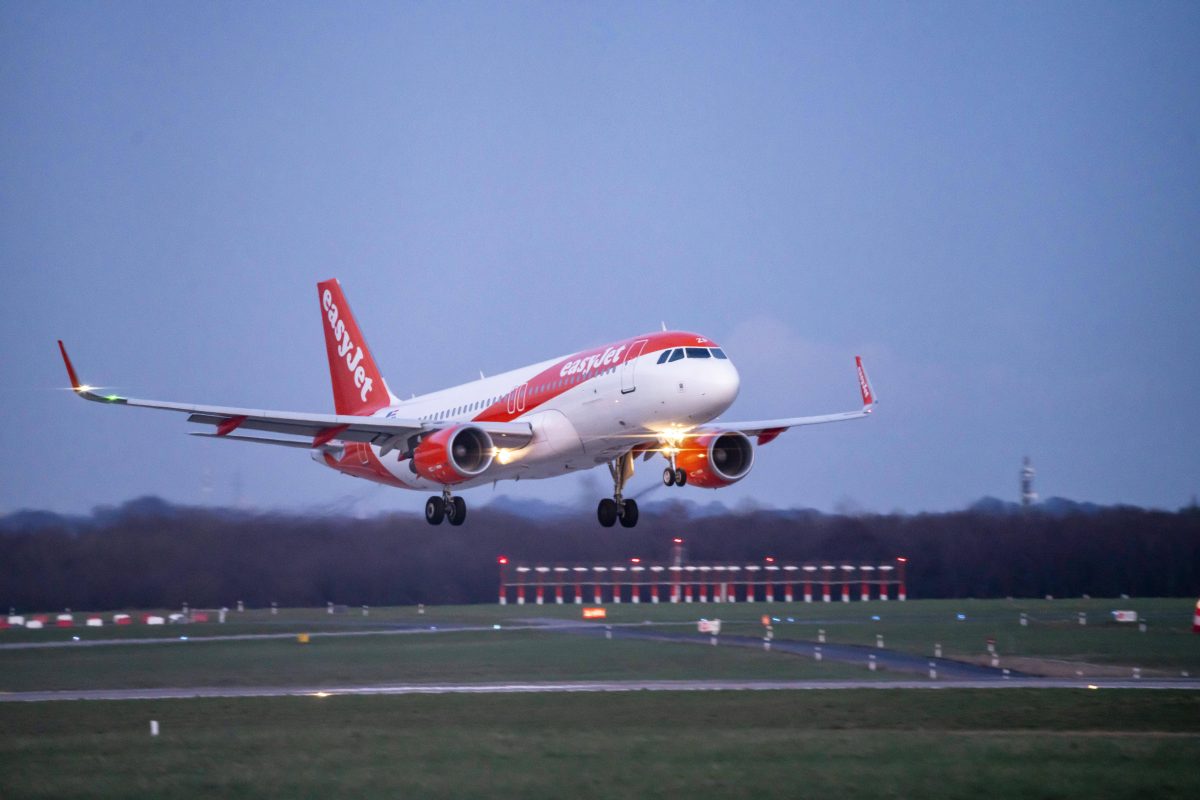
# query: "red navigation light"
x,y
502,559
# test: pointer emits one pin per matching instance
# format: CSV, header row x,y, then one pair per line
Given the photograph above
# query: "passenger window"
x,y
697,352
663,358
676,354
718,353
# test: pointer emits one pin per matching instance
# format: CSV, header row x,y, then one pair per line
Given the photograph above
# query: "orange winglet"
x,y
327,434
75,384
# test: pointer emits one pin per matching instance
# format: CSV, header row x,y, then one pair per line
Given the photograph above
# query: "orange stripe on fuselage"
x,y
551,383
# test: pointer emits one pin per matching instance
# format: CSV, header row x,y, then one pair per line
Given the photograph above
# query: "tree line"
x,y
163,556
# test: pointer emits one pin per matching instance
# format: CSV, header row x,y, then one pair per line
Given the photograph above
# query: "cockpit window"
x,y
676,354
697,352
663,357
719,353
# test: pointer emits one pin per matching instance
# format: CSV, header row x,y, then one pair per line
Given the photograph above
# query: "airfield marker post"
x,y
867,572
817,654
902,595
503,562
871,662
937,650
933,670
154,727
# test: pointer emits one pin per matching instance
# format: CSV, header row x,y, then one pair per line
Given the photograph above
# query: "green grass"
x,y
407,658
914,626
889,744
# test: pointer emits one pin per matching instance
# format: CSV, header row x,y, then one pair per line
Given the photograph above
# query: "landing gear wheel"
x,y
681,477
435,510
668,477
456,511
606,512
629,513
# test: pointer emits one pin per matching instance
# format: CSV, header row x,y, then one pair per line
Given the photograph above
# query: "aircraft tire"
x,y
629,514
435,510
456,511
668,477
606,512
681,477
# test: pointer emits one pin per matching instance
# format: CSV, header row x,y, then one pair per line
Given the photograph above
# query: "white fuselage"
x,y
584,417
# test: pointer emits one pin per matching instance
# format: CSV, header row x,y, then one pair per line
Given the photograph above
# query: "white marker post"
x,y
817,654
937,650
879,640
821,635
871,662
154,727
933,670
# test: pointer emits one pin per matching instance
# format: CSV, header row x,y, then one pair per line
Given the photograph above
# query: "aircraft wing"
x,y
319,429
768,429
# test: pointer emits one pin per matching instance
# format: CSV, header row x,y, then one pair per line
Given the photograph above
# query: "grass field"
x,y
1054,632
418,658
821,744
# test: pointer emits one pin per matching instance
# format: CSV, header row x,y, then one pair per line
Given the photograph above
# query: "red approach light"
x,y
677,540
770,559
502,559
901,559
635,560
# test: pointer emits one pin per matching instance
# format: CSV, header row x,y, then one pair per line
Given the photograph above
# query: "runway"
x,y
325,692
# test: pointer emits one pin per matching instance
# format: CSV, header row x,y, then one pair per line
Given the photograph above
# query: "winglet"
x,y
81,389
75,384
864,385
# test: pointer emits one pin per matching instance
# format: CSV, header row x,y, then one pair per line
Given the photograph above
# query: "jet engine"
x,y
453,455
716,459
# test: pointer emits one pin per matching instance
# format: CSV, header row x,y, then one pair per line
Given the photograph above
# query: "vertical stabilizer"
x,y
358,387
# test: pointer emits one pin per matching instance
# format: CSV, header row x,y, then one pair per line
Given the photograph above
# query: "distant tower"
x,y
1028,495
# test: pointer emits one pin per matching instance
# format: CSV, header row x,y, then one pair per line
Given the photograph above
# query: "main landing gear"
x,y
447,507
617,507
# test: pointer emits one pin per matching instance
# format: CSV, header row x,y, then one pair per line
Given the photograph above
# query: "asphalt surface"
x,y
577,686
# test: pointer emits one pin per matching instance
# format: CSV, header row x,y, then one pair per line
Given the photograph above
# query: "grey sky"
x,y
997,204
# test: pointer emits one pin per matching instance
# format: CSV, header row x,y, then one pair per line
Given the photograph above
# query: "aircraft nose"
x,y
723,384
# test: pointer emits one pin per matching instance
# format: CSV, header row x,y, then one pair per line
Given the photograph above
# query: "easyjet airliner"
x,y
654,394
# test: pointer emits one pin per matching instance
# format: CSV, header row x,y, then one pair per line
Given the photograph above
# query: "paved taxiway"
x,y
577,686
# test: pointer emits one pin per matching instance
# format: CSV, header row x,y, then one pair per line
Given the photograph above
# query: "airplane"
x,y
653,394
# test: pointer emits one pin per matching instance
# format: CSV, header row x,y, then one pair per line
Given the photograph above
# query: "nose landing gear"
x,y
673,475
447,507
617,507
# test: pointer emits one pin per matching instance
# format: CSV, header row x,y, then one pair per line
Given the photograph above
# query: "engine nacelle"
x,y
716,459
453,455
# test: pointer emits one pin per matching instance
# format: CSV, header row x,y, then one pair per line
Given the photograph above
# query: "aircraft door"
x,y
627,379
516,399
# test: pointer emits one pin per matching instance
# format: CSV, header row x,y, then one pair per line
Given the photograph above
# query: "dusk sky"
x,y
996,204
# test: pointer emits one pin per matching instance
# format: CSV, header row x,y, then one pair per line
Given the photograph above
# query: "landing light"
x,y
504,455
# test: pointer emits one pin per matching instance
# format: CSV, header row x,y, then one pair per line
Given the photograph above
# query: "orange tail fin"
x,y
358,387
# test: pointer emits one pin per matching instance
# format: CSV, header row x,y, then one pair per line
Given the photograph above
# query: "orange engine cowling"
x,y
716,459
453,455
